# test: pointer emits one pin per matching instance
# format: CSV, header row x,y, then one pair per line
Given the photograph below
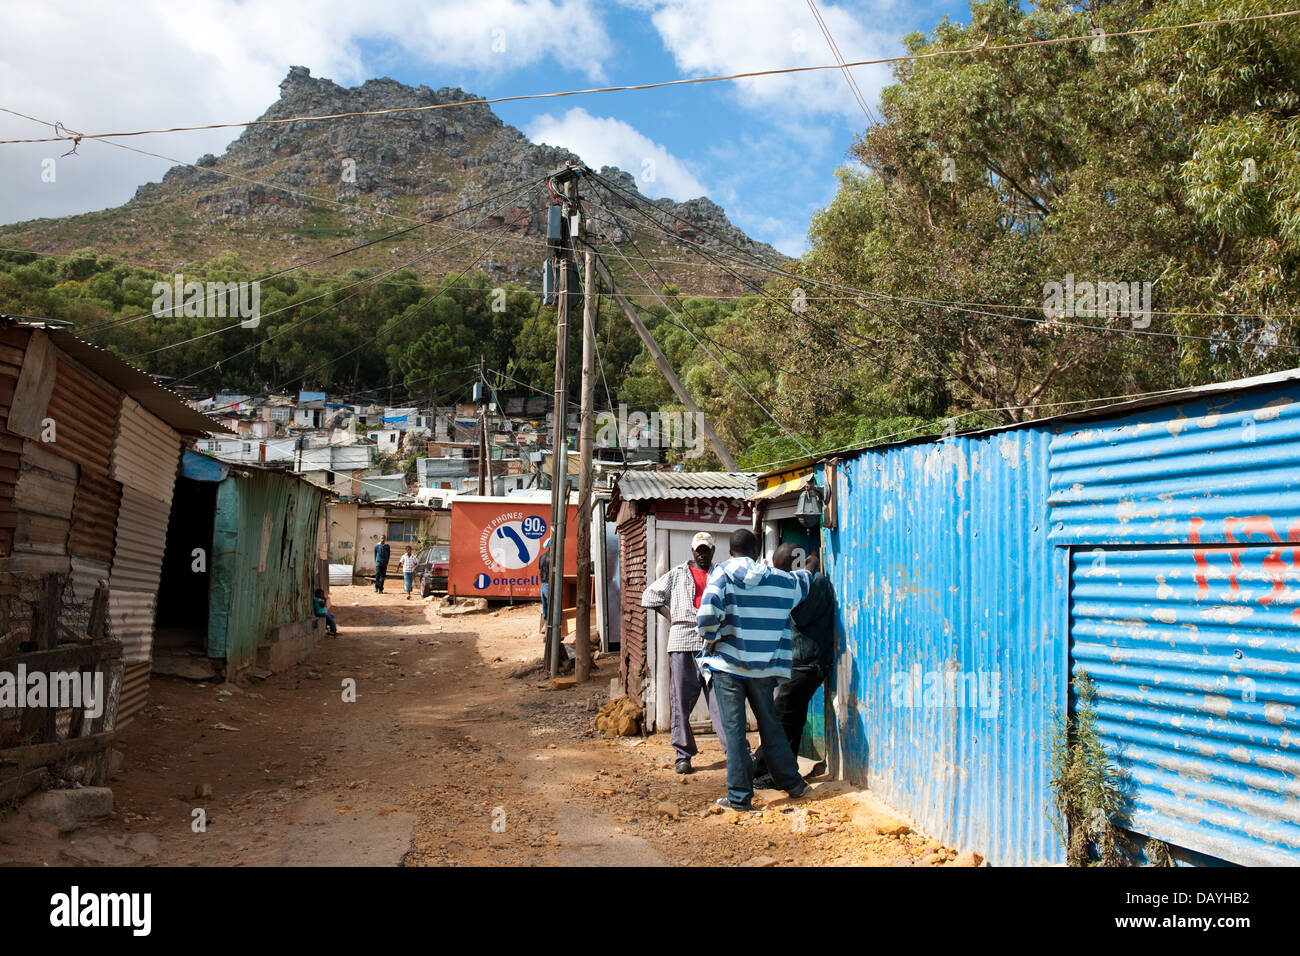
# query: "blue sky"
x,y
764,149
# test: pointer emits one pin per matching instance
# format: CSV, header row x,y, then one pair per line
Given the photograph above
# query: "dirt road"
x,y
443,758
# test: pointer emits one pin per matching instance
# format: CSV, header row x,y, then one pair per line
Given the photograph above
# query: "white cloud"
x,y
787,235
605,141
151,63
740,36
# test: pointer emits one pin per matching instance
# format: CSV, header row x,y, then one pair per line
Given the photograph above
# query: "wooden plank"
x,y
40,535
98,625
35,385
38,455
47,753
40,492
45,622
65,657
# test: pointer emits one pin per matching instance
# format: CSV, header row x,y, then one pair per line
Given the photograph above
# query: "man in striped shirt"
x,y
744,618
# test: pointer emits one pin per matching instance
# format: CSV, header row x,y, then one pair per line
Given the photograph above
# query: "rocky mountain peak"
x,y
308,181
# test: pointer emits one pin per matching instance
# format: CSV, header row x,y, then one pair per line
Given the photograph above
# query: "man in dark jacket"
x,y
812,634
381,564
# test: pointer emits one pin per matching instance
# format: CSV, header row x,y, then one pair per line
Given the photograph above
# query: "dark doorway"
x,y
181,622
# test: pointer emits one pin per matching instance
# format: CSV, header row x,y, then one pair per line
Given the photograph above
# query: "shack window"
x,y
407,532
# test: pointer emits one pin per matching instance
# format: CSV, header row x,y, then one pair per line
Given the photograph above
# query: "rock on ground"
x,y
70,809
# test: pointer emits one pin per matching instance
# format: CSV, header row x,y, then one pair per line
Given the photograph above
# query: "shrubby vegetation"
x,y
1171,158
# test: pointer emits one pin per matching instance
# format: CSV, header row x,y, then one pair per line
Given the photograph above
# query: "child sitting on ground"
x,y
321,612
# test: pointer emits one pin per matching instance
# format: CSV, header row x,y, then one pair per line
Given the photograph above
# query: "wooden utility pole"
x,y
559,446
586,441
482,423
661,360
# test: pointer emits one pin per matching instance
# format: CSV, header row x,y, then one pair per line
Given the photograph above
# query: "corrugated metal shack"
x,y
89,451
656,514
267,551
1154,544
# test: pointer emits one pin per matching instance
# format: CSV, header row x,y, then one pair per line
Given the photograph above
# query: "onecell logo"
x,y
485,581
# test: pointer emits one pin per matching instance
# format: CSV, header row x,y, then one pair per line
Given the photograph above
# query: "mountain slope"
x,y
286,193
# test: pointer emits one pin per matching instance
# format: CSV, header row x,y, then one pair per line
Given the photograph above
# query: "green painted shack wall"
x,y
263,562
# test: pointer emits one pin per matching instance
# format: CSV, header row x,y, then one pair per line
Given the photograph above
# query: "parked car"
x,y
431,569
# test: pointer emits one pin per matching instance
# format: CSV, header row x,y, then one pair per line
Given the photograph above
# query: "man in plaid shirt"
x,y
676,596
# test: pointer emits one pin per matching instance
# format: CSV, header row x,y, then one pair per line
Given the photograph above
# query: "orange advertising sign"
x,y
496,542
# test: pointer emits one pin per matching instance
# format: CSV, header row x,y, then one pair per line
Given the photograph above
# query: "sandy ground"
x,y
443,758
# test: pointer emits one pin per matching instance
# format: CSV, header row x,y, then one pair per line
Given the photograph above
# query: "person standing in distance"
x,y
409,563
381,563
544,576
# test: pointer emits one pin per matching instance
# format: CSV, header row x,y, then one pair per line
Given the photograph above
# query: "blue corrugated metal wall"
x,y
1161,549
1184,526
953,637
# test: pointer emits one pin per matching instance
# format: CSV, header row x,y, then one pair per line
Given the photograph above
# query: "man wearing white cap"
x,y
676,596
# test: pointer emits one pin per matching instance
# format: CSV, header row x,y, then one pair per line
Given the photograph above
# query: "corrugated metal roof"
x,y
163,402
1172,397
642,485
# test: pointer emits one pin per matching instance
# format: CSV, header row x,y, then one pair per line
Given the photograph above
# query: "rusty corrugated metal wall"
x,y
12,344
85,490
84,410
57,505
90,542
632,558
1184,529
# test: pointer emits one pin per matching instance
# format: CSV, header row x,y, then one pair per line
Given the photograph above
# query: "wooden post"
x,y
559,450
482,424
661,360
45,622
98,626
586,441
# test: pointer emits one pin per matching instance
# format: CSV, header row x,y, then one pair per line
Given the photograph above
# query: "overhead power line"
x,y
399,320
1091,404
848,76
363,281
717,361
981,48
754,261
432,223
290,327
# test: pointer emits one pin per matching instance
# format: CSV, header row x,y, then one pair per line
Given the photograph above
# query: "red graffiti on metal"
x,y
1198,555
1239,532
